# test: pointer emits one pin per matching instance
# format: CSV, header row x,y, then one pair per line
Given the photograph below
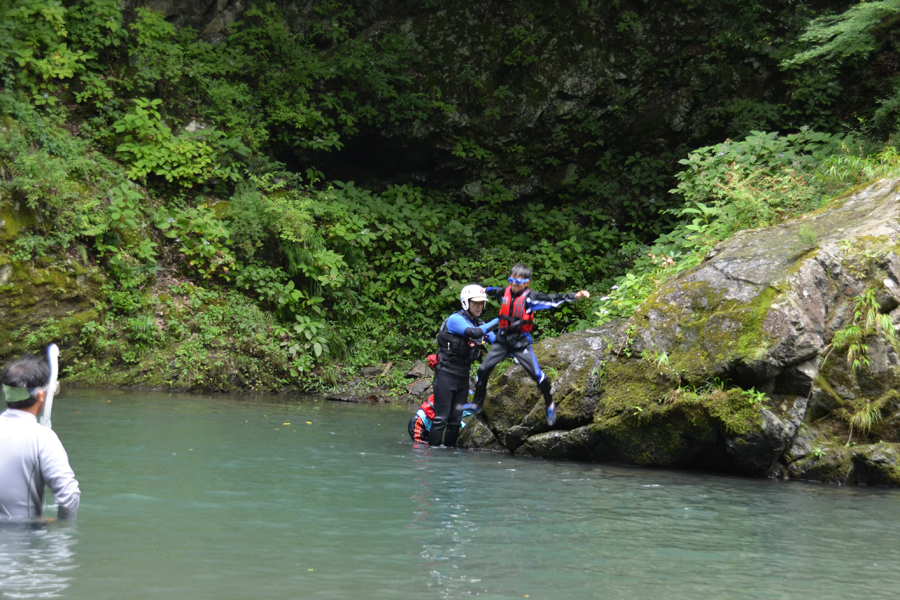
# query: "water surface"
x,y
231,497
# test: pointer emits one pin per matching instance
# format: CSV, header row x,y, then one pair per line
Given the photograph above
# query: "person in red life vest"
x,y
420,423
518,303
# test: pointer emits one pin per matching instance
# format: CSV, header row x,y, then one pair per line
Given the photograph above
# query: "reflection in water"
x,y
35,559
442,518
217,498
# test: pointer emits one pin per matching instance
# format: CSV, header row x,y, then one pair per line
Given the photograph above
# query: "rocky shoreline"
x,y
740,364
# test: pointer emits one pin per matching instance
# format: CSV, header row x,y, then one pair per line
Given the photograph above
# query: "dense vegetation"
x,y
194,175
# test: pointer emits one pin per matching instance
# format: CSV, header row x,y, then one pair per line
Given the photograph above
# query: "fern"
x,y
865,418
852,33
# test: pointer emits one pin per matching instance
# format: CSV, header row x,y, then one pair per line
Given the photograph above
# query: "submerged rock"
x,y
727,363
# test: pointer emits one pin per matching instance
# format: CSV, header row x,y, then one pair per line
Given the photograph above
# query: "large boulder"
x,y
733,365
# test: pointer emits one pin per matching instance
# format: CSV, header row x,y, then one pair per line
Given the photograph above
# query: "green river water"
x,y
189,497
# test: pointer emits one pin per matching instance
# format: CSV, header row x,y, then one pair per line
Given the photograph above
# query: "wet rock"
x,y
369,372
876,464
830,465
478,435
372,397
344,398
756,451
575,444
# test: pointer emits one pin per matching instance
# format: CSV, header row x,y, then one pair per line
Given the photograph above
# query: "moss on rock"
x,y
48,301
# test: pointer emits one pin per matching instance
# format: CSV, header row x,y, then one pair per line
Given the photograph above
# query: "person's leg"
x,y
496,354
443,384
460,397
529,362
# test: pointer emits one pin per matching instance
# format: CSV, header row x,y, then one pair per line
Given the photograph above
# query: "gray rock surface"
x,y
751,381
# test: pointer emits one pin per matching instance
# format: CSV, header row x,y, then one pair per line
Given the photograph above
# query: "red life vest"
x,y
428,407
513,310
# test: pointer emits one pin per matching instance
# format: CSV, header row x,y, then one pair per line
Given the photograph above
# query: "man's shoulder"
x,y
18,418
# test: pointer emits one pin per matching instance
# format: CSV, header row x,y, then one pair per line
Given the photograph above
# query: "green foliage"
x,y
868,415
295,271
189,158
309,338
32,34
849,34
49,172
847,169
202,237
848,41
867,321
708,169
755,182
49,331
754,396
202,337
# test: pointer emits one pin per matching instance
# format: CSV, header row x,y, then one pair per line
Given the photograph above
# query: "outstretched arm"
x,y
543,301
494,292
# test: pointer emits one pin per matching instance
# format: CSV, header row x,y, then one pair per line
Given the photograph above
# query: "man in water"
x,y
518,303
461,341
31,456
420,424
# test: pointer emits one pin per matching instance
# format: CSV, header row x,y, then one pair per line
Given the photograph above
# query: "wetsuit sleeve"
x,y
543,301
59,477
458,325
494,292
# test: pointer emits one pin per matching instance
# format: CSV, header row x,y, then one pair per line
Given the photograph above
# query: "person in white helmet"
x,y
461,341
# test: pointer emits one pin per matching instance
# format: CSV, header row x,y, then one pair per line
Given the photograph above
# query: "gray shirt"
x,y
31,456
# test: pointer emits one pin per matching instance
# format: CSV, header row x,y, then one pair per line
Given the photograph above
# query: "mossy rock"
x,y
876,464
572,445
514,408
478,435
833,465
12,222
48,302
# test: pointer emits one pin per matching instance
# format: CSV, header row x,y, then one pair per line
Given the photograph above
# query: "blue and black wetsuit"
x,y
461,341
514,338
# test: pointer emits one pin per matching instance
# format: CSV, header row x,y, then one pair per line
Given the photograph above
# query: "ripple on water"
x,y
204,498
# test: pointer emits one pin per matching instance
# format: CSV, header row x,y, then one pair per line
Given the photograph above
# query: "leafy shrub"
x,y
188,158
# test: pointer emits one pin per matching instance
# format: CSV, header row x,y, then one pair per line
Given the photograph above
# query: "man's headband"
x,y
15,394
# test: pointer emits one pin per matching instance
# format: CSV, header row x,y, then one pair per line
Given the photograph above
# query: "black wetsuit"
x,y
461,343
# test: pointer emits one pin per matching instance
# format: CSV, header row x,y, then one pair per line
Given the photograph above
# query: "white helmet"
x,y
472,292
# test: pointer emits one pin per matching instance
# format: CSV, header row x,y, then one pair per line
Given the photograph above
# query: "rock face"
x,y
48,300
735,365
